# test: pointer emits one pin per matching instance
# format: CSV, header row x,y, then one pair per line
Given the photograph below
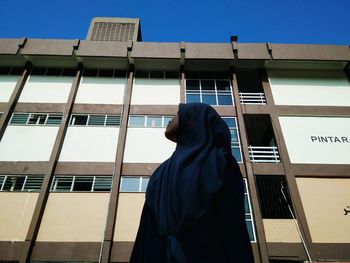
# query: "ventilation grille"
x,y
108,31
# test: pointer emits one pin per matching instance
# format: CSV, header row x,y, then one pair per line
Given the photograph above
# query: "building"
x,y
82,130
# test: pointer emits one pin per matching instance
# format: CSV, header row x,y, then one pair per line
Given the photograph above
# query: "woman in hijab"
x,y
194,209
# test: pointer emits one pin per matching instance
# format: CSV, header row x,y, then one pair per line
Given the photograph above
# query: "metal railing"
x,y
264,154
252,98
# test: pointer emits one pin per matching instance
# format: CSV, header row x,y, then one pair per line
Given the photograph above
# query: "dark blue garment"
x,y
182,192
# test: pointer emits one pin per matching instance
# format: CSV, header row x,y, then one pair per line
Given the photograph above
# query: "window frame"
x,y
145,122
26,179
106,116
47,115
54,182
215,92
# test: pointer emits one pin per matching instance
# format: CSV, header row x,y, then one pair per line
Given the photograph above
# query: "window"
x,y
208,87
235,142
81,184
18,183
36,119
248,212
59,72
153,121
94,120
136,184
152,74
104,73
272,190
11,71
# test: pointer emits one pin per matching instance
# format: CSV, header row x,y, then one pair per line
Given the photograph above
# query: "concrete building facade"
x,y
82,124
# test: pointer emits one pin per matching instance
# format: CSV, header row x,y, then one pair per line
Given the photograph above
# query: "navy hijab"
x,y
181,189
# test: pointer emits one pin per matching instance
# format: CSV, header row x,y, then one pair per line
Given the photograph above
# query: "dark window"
x,y
88,72
157,75
16,71
69,72
272,191
54,72
171,75
82,183
38,71
141,74
4,71
192,84
106,73
120,74
79,119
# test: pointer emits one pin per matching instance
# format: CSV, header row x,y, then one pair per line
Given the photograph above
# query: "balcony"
x,y
252,98
264,154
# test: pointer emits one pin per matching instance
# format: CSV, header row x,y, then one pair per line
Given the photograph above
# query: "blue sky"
x,y
275,21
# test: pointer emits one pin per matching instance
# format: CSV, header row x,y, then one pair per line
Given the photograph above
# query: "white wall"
x,y
293,87
156,92
101,90
7,85
90,144
27,143
46,89
147,145
305,145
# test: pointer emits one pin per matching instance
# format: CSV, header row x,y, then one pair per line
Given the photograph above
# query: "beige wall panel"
x,y
15,216
128,216
74,217
281,230
324,201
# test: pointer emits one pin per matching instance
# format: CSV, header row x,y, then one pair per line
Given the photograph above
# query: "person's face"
x,y
171,129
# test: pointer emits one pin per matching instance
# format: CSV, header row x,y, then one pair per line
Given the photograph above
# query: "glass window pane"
x,y
37,119
250,230
167,120
208,85
193,98
192,84
144,184
223,85
154,121
83,183
103,183
234,135
237,154
171,75
63,184
113,120
209,99
54,72
141,74
130,184
88,72
34,183
225,99
106,73
19,118
54,119
137,121
79,119
230,122
157,75
97,120
246,205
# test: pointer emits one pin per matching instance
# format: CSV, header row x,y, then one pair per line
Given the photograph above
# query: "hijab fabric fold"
x,y
181,189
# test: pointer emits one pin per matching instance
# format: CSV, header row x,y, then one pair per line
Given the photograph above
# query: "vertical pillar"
x,y
260,234
113,203
14,98
44,192
182,85
290,177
